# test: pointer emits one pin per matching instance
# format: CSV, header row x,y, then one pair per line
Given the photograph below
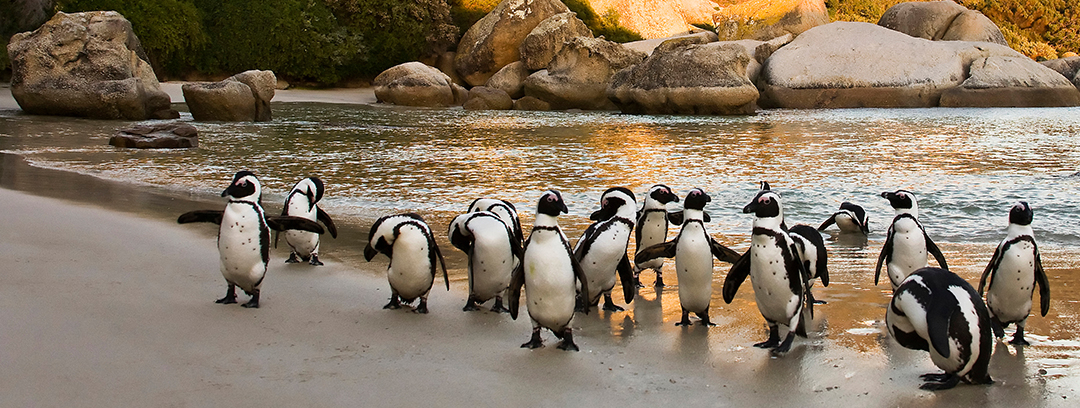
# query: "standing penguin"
x,y
851,219
303,202
652,229
493,253
548,271
601,250
778,275
1017,256
906,242
244,236
505,210
811,248
410,245
936,311
693,250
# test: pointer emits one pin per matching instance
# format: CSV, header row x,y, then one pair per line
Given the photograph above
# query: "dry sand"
x,y
102,307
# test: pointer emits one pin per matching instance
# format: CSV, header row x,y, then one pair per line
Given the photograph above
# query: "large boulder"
x,y
647,46
484,98
227,101
579,75
767,19
171,135
684,76
1067,66
495,40
1011,81
656,18
510,79
540,46
262,84
417,84
847,65
88,65
941,21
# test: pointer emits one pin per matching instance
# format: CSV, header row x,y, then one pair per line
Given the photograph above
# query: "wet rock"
x,y
171,135
484,98
88,65
539,47
511,79
1012,82
578,76
495,40
941,21
688,77
227,101
767,19
417,84
530,103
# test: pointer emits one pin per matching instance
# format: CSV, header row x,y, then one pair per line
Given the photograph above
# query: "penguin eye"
x,y
766,200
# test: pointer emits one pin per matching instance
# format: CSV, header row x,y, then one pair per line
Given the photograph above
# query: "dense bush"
x,y
396,31
606,24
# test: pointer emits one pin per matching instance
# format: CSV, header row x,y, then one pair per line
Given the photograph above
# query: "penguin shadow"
x,y
649,307
1006,367
693,343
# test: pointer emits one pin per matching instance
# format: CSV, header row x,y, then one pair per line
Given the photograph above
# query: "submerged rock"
x,y
417,84
172,135
86,64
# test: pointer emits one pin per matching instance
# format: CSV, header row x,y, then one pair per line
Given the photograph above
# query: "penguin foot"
x,y
567,342
785,346
771,343
936,382
315,260
707,323
470,306
998,327
820,302
254,302
610,306
637,283
394,304
421,308
534,342
659,281
227,300
498,306
1019,341
292,258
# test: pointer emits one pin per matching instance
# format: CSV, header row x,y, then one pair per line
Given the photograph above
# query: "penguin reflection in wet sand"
x,y
601,250
548,271
906,243
851,219
936,311
1014,270
244,236
652,229
776,272
303,202
407,240
493,253
693,250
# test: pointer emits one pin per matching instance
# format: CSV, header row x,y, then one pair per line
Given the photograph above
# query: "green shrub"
x,y
396,31
606,25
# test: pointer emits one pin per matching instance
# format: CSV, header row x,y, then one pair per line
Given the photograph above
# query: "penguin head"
x,y
551,203
766,204
1021,214
612,201
765,186
244,185
662,194
315,189
902,201
854,209
696,200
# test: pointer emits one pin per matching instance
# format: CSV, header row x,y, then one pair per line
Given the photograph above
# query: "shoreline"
x,y
111,302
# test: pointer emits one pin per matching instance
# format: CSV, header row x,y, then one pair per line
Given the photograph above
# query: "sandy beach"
x,y
108,302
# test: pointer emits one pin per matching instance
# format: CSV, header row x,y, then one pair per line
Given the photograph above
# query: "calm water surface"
x,y
967,166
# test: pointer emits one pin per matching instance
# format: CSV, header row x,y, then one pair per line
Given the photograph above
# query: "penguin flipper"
x,y
325,218
938,320
739,271
442,262
1043,282
661,250
723,253
886,250
211,216
675,217
990,267
280,223
827,223
458,238
584,280
517,280
626,277
932,248
705,217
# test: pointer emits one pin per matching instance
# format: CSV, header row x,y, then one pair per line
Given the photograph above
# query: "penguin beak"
x,y
562,208
886,195
750,208
226,192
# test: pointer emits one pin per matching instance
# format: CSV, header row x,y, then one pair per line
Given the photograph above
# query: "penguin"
x,y
937,311
652,229
244,236
602,249
407,240
548,271
693,250
505,210
851,219
493,253
811,248
1017,256
777,273
302,201
906,242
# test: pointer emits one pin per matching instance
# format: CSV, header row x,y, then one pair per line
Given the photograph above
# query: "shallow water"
x,y
967,167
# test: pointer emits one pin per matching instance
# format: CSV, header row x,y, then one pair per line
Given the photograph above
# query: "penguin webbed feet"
x,y
785,346
230,296
421,308
939,381
609,305
471,305
315,260
704,316
535,341
659,280
998,327
773,341
567,342
685,319
395,303
1018,338
498,306
292,259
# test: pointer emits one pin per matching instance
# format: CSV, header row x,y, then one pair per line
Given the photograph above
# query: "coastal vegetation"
x,y
329,42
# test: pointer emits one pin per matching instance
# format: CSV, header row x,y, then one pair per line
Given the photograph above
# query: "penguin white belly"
x,y
410,268
304,243
550,285
693,268
768,275
908,251
653,231
846,223
600,262
1009,296
240,246
492,264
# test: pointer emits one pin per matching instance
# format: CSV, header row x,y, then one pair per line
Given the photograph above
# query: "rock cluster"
x,y
244,97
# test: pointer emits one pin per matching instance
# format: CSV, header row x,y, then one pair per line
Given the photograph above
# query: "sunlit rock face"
x,y
417,84
768,19
495,40
657,18
941,21
578,76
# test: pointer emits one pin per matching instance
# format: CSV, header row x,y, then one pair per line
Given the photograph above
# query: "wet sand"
x,y
107,302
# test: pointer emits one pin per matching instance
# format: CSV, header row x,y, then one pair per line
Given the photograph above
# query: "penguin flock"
x,y
932,309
